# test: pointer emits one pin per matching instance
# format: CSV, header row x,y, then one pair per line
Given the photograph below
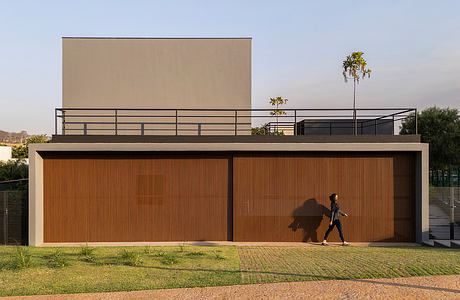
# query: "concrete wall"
x,y
156,73
36,168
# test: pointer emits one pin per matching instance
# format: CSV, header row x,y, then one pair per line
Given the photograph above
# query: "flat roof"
x,y
156,38
228,139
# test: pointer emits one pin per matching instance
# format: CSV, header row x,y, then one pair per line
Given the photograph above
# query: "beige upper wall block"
x,y
156,73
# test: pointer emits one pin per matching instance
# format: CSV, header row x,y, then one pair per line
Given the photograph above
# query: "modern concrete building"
x,y
5,153
191,170
164,73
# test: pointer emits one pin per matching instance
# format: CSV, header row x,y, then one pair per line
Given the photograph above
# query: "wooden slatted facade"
x,y
284,197
135,197
147,196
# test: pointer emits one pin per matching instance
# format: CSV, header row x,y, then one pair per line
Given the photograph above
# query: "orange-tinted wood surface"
x,y
128,197
135,197
284,197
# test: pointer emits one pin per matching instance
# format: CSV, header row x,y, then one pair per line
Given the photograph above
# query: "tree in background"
x,y
440,127
22,151
19,151
277,112
13,169
354,67
264,130
261,130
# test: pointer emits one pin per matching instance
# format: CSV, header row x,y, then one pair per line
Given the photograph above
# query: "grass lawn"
x,y
277,264
106,269
81,269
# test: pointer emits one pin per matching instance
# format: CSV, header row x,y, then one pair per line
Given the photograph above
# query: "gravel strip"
x,y
429,287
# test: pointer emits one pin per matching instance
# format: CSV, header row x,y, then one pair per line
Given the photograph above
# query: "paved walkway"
x,y
227,243
431,287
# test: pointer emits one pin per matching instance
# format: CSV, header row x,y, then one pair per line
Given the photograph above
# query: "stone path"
x,y
430,287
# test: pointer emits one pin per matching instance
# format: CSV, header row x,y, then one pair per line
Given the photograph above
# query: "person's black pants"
x,y
339,227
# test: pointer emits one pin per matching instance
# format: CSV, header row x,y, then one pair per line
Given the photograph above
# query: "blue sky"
x,y
413,48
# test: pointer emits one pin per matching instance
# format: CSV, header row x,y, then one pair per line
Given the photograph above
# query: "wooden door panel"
x,y
285,197
128,199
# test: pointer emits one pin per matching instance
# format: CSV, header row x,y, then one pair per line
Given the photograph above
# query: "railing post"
x,y
5,217
199,128
375,127
452,204
355,121
393,124
416,120
116,122
142,128
176,121
295,121
63,122
236,122
458,177
55,121
85,128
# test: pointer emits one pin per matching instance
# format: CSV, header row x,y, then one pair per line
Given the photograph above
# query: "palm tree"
x,y
354,67
277,112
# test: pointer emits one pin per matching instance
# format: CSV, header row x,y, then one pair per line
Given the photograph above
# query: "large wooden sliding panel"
x,y
133,197
284,197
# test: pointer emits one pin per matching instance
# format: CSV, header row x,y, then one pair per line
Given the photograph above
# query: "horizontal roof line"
x,y
156,38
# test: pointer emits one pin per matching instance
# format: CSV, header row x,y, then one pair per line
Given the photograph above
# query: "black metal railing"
x,y
130,121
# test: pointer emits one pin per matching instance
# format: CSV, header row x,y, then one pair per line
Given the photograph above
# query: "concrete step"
x,y
442,243
455,244
429,243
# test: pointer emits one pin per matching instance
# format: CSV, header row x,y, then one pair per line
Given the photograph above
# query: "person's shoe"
x,y
324,244
345,244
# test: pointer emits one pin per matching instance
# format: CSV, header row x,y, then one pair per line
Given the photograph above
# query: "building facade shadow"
x,y
308,217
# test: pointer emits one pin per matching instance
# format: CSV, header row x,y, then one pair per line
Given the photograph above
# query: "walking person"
x,y
335,213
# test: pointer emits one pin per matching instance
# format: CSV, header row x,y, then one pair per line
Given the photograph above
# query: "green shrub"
x,y
264,130
195,254
87,253
86,250
158,253
58,260
19,151
147,250
169,259
131,258
217,255
125,254
22,258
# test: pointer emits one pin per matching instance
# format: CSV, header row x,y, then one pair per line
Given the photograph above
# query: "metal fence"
x,y
119,121
445,178
13,217
445,213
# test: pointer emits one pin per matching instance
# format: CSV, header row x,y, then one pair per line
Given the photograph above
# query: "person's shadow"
x,y
309,217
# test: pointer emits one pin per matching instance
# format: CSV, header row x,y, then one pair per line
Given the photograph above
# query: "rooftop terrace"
x,y
233,125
